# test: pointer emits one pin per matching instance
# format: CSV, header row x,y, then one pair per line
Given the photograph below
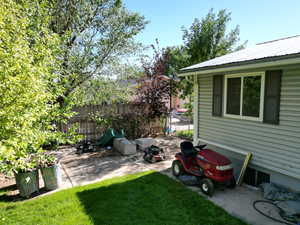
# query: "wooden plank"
x,y
243,170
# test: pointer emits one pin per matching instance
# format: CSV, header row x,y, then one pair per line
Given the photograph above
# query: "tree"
x,y
154,87
205,39
95,33
118,86
104,90
27,59
178,58
208,38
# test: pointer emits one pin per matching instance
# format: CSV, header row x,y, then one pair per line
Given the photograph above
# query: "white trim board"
x,y
196,109
282,62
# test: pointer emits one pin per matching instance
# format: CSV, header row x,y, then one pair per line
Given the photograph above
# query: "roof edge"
x,y
279,39
250,64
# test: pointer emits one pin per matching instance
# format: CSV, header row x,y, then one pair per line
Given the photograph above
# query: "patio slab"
x,y
93,167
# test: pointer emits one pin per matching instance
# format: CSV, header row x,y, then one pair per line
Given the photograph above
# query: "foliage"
x,y
95,34
188,134
46,160
18,162
105,90
178,58
205,39
157,65
133,123
189,106
154,95
71,136
47,50
112,201
116,86
27,56
55,138
154,88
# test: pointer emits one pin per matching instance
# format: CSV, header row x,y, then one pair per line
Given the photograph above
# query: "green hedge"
x,y
188,134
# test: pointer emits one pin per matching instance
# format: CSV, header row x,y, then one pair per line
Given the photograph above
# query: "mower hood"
x,y
214,158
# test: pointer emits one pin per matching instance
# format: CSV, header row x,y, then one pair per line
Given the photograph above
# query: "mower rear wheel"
x,y
146,157
177,168
207,186
152,159
149,158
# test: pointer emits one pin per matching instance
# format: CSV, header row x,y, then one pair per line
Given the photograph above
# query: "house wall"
x,y
275,148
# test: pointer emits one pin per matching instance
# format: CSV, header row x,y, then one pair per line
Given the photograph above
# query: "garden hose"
x,y
289,220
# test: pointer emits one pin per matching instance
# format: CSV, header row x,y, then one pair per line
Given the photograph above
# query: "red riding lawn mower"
x,y
208,166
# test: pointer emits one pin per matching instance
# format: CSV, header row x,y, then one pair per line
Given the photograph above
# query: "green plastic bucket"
x,y
27,183
51,176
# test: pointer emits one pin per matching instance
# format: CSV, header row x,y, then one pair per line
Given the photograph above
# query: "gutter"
x,y
247,65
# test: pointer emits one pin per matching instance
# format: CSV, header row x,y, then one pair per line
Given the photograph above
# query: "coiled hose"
x,y
289,220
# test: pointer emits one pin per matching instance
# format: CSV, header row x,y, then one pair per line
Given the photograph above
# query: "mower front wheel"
x,y
207,186
177,168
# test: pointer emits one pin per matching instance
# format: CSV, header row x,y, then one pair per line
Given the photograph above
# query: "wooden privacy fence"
x,y
90,130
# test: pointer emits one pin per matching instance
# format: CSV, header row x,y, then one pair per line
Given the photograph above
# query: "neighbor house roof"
x,y
281,49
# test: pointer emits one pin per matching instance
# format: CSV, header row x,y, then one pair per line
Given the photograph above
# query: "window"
x,y
253,96
255,177
244,94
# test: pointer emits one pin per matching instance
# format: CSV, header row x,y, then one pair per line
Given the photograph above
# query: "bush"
x,y
188,134
135,123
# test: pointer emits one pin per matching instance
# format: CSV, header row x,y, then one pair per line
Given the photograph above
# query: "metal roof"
x,y
266,50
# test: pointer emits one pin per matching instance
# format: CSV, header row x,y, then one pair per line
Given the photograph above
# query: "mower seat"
x,y
187,148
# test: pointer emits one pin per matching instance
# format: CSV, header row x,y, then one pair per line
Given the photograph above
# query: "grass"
x,y
142,198
188,134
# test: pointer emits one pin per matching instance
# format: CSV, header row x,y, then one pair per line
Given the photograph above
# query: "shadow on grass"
x,y
11,194
150,199
3,190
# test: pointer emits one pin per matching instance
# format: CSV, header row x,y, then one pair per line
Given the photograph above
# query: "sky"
x,y
259,20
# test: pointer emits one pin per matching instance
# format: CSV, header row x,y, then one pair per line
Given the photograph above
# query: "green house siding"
x,y
274,147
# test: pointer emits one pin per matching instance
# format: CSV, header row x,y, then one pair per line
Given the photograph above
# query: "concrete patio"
x,y
93,167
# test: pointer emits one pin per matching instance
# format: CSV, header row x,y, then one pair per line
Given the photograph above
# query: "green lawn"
x,y
143,198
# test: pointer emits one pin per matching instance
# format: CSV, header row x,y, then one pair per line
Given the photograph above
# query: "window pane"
x,y
251,96
233,95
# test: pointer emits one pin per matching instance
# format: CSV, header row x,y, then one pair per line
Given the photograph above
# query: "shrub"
x,y
134,124
27,57
188,134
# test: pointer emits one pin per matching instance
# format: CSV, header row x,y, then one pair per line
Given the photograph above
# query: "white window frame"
x,y
262,94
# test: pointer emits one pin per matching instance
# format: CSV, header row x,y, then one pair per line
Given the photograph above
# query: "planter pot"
x,y
27,183
51,176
